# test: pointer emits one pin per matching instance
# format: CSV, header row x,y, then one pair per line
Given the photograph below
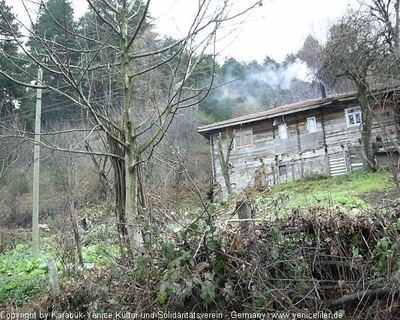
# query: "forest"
x,y
108,207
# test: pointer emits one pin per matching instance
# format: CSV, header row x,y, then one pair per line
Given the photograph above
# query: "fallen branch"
x,y
242,220
360,295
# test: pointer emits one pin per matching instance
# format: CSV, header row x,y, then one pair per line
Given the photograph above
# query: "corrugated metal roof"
x,y
279,111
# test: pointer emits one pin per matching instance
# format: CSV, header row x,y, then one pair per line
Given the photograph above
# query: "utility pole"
x,y
397,26
36,168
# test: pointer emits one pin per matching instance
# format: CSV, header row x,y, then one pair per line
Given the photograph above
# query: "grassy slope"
x,y
350,191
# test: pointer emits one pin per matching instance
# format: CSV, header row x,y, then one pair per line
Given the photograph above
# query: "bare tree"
x,y
360,49
129,138
386,12
223,157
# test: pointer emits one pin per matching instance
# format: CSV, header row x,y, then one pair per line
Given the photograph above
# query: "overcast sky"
x,y
275,29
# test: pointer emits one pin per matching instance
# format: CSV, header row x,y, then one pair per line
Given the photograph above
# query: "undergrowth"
x,y
337,256
21,276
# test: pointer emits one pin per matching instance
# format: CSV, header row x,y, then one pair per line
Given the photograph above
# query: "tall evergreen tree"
x,y
10,60
53,42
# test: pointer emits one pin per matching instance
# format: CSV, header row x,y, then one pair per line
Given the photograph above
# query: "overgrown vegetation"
x,y
21,277
336,256
327,245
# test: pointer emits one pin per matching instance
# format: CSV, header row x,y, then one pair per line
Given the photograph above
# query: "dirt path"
x,y
379,199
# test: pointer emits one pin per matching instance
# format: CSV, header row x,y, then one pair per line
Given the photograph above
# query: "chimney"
x,y
323,90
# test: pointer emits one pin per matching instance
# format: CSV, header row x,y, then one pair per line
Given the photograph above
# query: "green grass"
x,y
327,192
23,278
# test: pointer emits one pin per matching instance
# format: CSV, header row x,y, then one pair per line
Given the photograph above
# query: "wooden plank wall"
x,y
303,153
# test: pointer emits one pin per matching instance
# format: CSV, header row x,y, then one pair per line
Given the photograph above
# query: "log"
x,y
360,295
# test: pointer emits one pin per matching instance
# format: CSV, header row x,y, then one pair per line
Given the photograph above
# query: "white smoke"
x,y
281,77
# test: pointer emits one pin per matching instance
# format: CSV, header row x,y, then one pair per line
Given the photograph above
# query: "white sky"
x,y
276,29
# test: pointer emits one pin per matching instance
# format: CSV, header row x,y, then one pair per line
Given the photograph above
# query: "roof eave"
x,y
206,131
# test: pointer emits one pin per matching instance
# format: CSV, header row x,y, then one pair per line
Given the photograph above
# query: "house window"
x,y
283,131
311,125
243,138
282,170
353,116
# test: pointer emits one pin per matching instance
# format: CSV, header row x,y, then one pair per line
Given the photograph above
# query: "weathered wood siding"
x,y
337,134
272,160
245,161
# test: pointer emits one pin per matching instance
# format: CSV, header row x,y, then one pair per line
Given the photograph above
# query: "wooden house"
x,y
316,137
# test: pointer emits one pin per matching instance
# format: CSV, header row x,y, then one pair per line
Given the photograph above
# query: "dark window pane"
x,y
282,170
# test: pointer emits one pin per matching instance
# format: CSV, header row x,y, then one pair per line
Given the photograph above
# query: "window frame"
x,y
282,169
280,131
353,112
243,136
315,128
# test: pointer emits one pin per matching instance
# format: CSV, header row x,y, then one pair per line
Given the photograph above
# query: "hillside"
x,y
321,245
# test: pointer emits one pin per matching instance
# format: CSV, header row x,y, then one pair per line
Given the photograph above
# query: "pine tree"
x,y
10,60
53,41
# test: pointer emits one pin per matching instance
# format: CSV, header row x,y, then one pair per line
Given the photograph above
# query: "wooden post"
x,y
53,275
244,213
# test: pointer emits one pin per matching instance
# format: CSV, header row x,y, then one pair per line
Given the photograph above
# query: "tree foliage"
x,y
53,42
241,88
10,60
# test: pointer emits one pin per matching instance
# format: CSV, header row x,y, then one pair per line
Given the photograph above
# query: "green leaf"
x,y
302,287
139,273
274,252
175,262
12,285
183,234
355,239
218,264
207,290
162,296
259,302
212,209
214,243
274,232
175,276
168,250
396,246
163,287
186,255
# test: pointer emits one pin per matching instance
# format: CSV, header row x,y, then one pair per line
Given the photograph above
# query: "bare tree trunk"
x,y
133,220
224,159
74,221
362,98
118,166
